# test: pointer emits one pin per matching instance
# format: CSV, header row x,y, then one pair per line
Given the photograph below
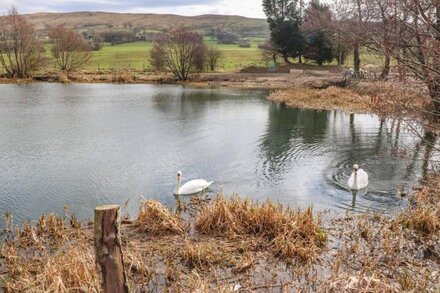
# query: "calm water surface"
x,y
90,144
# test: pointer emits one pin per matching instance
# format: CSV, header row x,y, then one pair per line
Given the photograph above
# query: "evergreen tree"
x,y
319,45
284,19
319,48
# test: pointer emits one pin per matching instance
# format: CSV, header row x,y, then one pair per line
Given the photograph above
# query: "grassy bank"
x,y
231,245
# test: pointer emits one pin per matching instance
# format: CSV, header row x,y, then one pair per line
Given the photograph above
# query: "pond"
x,y
83,145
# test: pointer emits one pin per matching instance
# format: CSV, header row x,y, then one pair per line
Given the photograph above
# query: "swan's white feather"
x,y
194,186
362,180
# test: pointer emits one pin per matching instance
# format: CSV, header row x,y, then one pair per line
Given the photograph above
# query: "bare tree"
x,y
180,47
69,49
157,56
269,53
351,21
415,40
213,57
200,58
21,53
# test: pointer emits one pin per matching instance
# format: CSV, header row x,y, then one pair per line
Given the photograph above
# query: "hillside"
x,y
101,21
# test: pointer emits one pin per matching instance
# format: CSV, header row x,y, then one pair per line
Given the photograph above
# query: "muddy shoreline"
x,y
235,80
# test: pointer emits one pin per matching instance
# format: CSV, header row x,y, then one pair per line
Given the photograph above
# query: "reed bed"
x,y
330,98
234,245
288,233
384,99
54,255
423,216
425,220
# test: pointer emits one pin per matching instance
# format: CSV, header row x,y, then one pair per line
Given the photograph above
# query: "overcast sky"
x,y
249,8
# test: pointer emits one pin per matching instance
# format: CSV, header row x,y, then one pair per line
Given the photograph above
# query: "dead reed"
x,y
201,255
425,220
62,77
385,99
122,76
154,218
236,245
288,233
55,255
326,99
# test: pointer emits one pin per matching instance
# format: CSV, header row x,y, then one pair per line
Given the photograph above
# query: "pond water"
x,y
89,144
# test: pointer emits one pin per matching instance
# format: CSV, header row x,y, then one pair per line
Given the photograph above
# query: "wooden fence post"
x,y
108,252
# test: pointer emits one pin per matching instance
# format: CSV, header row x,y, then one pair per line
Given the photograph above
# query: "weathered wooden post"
x,y
108,251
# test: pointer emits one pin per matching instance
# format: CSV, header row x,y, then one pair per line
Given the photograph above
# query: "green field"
x,y
137,56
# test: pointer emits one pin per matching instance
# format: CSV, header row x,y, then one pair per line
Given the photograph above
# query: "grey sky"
x,y
249,8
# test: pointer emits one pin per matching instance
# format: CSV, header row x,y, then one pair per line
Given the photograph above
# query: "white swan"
x,y
190,187
358,179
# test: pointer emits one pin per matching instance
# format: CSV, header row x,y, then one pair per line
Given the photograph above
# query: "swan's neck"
x,y
176,191
355,181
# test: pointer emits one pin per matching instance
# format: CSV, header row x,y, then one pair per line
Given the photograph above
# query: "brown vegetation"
x,y
21,53
288,233
235,244
69,49
385,99
181,51
329,99
213,58
154,218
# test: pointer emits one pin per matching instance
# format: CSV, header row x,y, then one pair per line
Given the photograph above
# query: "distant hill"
x,y
102,21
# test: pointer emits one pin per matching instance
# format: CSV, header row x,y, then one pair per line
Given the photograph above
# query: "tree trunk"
x,y
401,65
386,67
434,92
286,59
357,59
300,61
339,56
429,141
108,252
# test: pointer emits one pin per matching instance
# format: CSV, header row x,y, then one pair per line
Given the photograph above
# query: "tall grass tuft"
x,y
289,233
51,256
73,270
156,219
422,219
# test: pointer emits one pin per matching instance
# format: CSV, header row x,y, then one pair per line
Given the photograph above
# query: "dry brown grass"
x,y
422,219
237,244
73,270
290,233
55,255
325,99
122,76
68,270
201,255
385,99
154,218
357,283
62,77
424,214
